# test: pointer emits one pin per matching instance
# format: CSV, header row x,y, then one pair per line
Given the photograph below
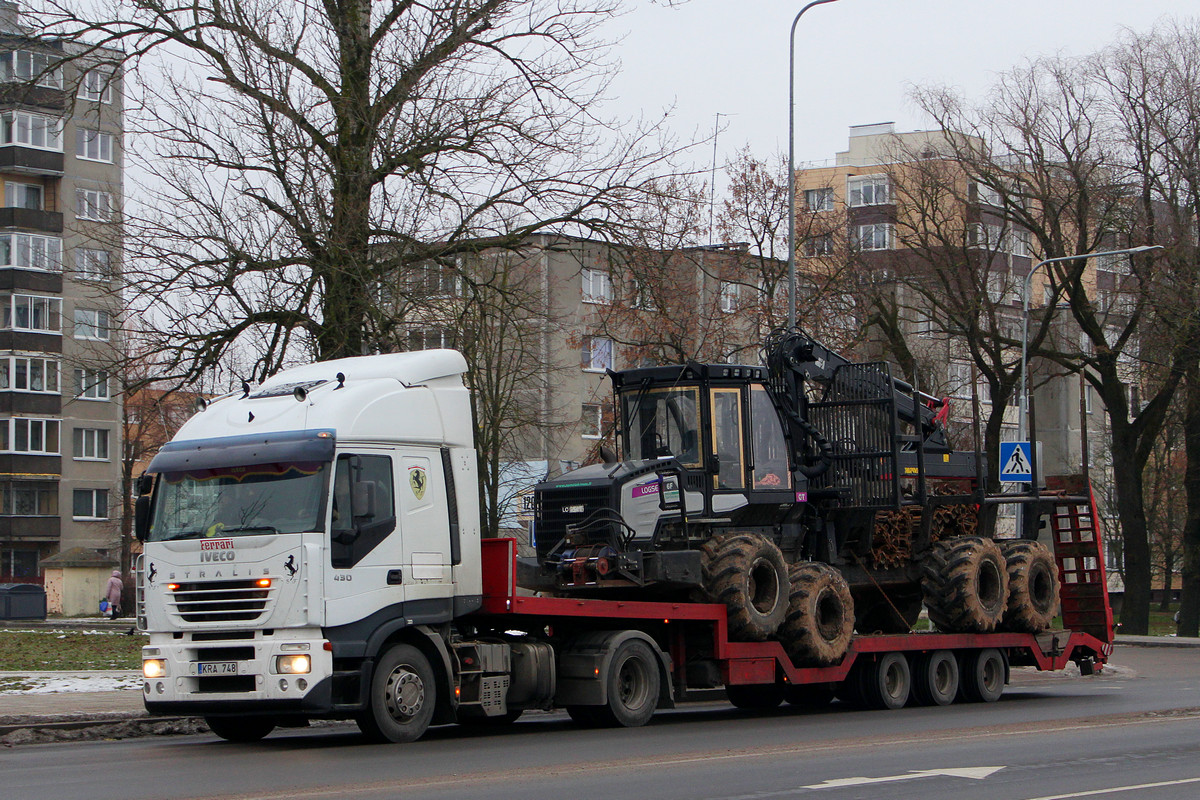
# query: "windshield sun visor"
x,y
244,451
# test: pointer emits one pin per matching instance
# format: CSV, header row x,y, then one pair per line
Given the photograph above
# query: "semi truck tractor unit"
x,y
312,550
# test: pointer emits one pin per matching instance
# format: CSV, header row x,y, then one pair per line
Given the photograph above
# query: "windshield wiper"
x,y
184,535
248,528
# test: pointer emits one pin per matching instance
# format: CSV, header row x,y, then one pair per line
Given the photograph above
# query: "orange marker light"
x,y
172,587
264,583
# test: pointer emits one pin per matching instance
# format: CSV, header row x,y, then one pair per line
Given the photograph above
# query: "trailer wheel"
x,y
811,695
1032,586
886,682
760,696
747,573
984,673
820,616
935,678
240,729
633,684
402,699
966,585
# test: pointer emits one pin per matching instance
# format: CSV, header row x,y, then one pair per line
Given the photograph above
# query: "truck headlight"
x,y
154,668
298,664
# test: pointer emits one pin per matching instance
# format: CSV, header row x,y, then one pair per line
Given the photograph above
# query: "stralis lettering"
x,y
216,544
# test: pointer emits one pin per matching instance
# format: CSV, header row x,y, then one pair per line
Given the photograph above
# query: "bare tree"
x,y
297,155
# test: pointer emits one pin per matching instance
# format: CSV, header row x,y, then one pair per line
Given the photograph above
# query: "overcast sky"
x,y
856,60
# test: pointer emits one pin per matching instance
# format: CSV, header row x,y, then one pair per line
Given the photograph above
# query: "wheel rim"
x,y
830,615
763,586
990,584
993,674
632,683
942,677
1041,589
893,680
405,693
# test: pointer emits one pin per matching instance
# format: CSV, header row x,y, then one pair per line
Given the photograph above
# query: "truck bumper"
x,y
217,676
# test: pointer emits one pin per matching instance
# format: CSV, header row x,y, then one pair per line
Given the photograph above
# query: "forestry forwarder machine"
x,y
813,497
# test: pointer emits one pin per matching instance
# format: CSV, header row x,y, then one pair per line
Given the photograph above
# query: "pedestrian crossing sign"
x,y
1016,462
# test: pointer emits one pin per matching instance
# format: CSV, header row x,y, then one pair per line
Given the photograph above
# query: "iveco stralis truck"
x,y
312,550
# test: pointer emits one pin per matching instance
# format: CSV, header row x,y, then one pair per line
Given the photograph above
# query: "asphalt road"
x,y
1132,733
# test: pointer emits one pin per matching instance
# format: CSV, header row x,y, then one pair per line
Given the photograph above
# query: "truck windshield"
x,y
663,422
240,501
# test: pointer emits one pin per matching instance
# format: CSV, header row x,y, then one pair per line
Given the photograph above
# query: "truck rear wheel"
x,y
984,673
1032,586
966,585
747,573
240,729
402,697
820,617
633,685
935,678
886,682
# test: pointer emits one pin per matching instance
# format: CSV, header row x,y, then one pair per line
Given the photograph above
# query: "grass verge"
x,y
36,650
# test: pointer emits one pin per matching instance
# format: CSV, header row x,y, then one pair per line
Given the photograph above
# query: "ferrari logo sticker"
x,y
416,480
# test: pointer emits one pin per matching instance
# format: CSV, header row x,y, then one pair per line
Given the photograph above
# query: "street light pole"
x,y
791,176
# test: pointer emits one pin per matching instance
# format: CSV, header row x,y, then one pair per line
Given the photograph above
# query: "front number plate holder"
x,y
207,668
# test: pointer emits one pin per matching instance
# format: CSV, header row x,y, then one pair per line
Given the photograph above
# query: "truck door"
x,y
425,523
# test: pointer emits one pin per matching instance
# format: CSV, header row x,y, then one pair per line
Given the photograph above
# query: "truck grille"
x,y
220,601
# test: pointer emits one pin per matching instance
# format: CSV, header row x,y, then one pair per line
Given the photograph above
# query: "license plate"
x,y
217,668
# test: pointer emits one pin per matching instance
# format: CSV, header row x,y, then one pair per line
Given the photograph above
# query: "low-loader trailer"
x,y
312,550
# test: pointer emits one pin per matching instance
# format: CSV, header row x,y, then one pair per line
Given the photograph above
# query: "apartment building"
x,y
61,126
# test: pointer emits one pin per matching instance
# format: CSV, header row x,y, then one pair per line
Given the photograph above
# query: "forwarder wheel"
x,y
886,682
1032,586
820,617
747,573
240,729
760,696
403,694
966,585
633,683
935,678
983,675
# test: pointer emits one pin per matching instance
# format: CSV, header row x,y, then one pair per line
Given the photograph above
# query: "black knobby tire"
x,y
820,617
887,681
240,729
811,695
402,697
633,686
935,678
966,585
983,674
1032,586
747,573
893,611
758,696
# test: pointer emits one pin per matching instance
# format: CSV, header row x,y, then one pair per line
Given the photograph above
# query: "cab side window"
x,y
364,511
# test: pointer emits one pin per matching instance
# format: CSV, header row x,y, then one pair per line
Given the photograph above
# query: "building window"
x,y
1020,243
597,287
91,384
31,251
730,292
819,199
958,374
91,444
31,130
874,237
25,374
430,279
22,65
92,264
90,504
869,190
998,288
591,421
95,86
24,500
986,195
597,354
24,195
25,435
428,339
924,323
92,323
93,145
26,312
643,297
821,245
93,205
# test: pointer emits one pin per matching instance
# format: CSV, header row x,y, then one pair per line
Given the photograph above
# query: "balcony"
x,y
31,529
22,94
30,160
32,219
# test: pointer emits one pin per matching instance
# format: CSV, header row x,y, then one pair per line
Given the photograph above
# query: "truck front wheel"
x,y
240,729
403,695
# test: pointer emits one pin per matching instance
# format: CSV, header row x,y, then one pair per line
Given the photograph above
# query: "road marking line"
x,y
974,773
1131,788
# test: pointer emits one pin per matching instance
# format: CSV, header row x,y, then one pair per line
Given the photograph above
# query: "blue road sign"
x,y
1016,462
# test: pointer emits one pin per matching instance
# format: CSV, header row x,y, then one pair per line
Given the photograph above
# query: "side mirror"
x,y
144,483
141,517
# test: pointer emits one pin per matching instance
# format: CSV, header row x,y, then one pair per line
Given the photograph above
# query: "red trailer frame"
x,y
1087,616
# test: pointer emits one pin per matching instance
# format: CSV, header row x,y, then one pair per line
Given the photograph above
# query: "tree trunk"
x,y
1189,608
1127,475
